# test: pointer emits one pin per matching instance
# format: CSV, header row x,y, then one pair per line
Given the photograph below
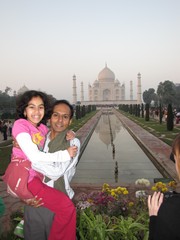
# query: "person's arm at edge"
x,y
154,203
152,227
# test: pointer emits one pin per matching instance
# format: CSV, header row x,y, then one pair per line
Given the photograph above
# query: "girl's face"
x,y
35,110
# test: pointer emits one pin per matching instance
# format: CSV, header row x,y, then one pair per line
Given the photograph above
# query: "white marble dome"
x,y
106,75
22,90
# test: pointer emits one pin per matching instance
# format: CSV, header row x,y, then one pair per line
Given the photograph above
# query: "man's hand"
x,y
72,151
34,202
70,135
154,203
15,143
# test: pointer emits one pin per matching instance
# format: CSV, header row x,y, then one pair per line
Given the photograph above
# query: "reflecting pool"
x,y
113,156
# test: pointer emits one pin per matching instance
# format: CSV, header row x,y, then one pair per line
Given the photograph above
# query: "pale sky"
x,y
43,43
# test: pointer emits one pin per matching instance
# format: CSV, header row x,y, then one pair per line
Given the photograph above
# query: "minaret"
x,y
131,90
139,100
123,92
82,92
90,92
74,90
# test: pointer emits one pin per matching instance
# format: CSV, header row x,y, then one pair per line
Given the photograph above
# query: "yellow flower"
x,y
172,184
113,194
115,190
118,188
131,204
125,192
105,185
165,189
106,188
119,192
154,188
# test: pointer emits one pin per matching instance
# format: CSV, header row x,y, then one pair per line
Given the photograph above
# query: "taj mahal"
x,y
106,89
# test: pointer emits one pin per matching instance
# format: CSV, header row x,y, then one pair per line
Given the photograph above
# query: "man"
x,y
37,221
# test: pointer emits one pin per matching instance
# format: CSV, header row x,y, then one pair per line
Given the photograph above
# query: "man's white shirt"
x,y
58,169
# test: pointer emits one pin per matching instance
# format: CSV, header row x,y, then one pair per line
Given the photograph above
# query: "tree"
x,y
160,113
147,112
78,112
149,95
177,98
142,110
138,110
166,92
170,118
7,103
8,89
83,111
130,109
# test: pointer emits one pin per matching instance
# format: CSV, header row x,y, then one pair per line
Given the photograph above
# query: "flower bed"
x,y
112,213
116,213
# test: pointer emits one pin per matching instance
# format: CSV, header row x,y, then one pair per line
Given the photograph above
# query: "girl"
x,y
29,133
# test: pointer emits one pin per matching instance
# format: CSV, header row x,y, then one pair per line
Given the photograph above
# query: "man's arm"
x,y
58,169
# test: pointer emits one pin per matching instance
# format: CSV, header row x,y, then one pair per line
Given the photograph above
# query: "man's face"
x,y
60,119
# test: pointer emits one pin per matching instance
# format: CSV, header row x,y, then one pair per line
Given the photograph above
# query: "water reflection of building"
x,y
103,129
107,89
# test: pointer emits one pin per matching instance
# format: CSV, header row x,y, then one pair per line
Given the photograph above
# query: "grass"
x,y
154,127
77,124
15,219
5,155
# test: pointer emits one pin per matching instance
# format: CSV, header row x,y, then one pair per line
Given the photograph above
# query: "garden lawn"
x,y
5,154
154,127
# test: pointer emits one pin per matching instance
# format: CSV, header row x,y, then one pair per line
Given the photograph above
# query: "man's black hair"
x,y
62,101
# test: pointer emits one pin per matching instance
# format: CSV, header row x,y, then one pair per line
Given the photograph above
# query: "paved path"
x,y
158,151
1,138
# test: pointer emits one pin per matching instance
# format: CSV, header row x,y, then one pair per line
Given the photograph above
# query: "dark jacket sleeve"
x,y
152,227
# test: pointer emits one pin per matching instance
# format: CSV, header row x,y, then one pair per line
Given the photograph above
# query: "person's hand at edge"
x,y
154,203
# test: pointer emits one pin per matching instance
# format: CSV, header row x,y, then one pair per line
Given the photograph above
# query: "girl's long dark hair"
x,y
23,100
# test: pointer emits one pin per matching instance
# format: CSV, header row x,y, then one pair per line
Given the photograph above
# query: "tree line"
x,y
167,93
8,106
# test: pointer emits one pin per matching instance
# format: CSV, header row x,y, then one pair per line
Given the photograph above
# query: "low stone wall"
x,y
85,132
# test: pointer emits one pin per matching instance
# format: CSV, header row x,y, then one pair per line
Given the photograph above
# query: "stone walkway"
x,y
156,149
